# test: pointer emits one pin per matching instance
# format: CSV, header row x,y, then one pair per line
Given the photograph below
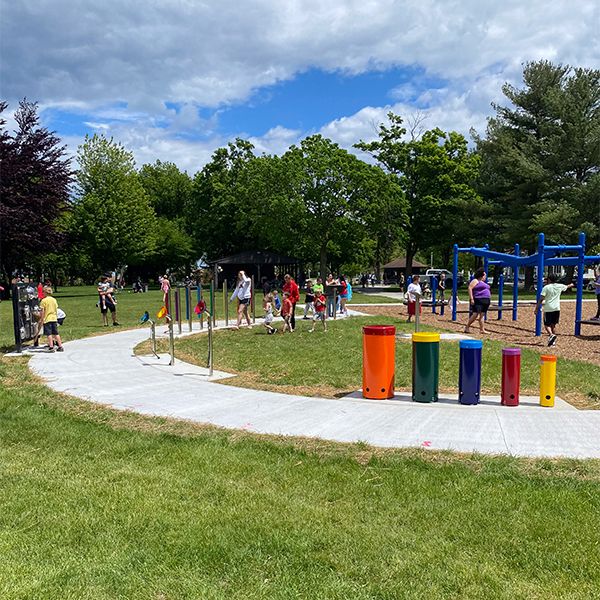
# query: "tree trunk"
x,y
496,276
323,265
570,274
410,254
446,258
529,272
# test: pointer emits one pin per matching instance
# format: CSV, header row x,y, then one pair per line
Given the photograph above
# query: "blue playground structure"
x,y
545,256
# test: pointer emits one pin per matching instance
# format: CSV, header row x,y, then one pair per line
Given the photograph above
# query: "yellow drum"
x,y
547,380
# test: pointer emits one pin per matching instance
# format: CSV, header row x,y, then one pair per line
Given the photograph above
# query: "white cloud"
x,y
91,57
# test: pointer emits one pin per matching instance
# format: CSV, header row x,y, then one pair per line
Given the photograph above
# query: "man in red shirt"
x,y
291,287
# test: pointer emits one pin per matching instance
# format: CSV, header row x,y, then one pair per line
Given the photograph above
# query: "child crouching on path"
x,y
49,318
268,308
320,313
286,312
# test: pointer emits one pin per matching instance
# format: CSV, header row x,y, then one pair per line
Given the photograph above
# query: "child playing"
x,y
320,313
276,302
413,291
286,313
268,308
551,300
309,300
49,318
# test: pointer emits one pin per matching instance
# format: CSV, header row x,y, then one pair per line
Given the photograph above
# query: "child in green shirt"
x,y
550,298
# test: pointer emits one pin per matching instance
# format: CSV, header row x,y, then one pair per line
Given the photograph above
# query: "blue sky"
x,y
176,79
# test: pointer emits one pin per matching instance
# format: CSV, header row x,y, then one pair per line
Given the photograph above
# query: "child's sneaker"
x,y
60,349
552,340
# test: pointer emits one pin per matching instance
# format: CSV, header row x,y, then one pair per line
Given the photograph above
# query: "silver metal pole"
x,y
417,312
212,302
210,347
188,303
153,337
178,309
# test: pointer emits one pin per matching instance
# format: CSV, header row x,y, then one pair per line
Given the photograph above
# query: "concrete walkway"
x,y
104,369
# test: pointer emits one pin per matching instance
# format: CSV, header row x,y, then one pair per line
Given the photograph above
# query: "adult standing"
x,y
479,298
243,293
441,287
291,287
330,289
109,303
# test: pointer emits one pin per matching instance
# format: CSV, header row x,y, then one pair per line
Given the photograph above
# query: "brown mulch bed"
x,y
521,332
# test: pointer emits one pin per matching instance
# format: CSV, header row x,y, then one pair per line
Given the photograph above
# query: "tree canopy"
x,y
34,190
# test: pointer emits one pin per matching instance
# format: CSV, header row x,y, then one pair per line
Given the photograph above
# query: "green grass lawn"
x,y
102,505
331,363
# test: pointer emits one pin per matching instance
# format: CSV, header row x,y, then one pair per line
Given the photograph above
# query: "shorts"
x,y
412,308
481,305
551,318
319,316
245,301
51,328
108,306
268,319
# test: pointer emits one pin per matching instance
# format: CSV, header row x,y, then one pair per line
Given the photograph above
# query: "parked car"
x,y
437,272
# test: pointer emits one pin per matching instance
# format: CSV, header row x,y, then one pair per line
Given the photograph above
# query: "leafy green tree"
x,y
113,222
541,157
214,208
169,192
436,173
339,195
34,190
168,189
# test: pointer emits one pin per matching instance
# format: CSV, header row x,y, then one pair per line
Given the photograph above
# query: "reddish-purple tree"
x,y
35,175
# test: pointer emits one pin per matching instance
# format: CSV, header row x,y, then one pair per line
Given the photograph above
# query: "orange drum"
x,y
379,361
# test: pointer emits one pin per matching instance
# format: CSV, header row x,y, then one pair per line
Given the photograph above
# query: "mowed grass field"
x,y
99,504
330,363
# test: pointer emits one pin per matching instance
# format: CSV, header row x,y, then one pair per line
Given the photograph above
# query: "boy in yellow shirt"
x,y
49,318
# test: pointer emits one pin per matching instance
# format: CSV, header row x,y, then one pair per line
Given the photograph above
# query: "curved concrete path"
x,y
104,369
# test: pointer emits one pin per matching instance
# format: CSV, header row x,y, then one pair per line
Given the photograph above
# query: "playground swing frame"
x,y
545,256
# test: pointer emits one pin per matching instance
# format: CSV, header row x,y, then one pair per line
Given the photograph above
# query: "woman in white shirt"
x,y
243,293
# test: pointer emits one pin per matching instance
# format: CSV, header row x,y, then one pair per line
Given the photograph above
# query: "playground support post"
x,y
454,280
486,268
580,270
515,309
540,283
188,306
433,293
417,312
500,294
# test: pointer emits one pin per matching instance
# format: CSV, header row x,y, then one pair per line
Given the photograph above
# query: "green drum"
x,y
425,367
